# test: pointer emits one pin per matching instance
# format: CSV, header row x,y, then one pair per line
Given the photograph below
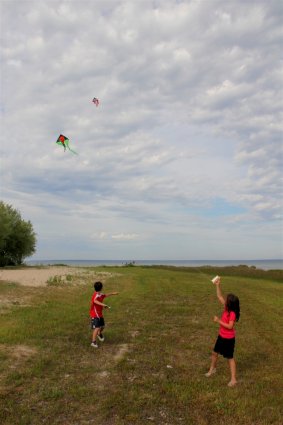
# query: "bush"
x,y
17,237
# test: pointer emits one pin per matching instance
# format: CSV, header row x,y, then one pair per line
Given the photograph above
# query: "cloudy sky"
x,y
183,157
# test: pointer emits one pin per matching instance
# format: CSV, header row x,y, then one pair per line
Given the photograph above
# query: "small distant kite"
x,y
64,141
95,101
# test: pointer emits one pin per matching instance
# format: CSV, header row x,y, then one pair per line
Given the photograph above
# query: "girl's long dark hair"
x,y
233,304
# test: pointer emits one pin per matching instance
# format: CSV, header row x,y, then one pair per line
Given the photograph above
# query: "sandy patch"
x,y
39,277
123,349
34,277
19,353
8,302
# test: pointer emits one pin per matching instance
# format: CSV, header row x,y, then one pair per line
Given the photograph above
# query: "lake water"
x,y
259,264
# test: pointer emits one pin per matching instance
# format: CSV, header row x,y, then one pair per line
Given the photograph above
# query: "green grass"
x,y
150,369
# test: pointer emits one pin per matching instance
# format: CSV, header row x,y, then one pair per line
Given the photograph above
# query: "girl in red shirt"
x,y
225,342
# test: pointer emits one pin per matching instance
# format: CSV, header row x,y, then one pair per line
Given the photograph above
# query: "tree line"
x,y
17,237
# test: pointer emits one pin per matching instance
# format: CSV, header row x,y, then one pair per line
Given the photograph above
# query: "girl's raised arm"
x,y
218,292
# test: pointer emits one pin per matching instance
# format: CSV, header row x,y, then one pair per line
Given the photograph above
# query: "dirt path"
x,y
36,277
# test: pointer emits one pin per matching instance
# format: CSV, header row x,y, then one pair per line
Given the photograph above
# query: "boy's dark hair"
x,y
233,304
98,286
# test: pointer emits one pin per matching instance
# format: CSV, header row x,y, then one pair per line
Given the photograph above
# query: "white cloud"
x,y
99,236
125,236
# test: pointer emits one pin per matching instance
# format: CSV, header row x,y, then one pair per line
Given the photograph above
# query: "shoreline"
x,y
274,264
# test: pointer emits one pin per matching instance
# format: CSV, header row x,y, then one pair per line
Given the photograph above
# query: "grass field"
x,y
158,340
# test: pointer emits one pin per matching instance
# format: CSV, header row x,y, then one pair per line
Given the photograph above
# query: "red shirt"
x,y
226,317
95,309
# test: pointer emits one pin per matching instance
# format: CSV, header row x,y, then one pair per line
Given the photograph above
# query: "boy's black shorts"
x,y
97,322
225,347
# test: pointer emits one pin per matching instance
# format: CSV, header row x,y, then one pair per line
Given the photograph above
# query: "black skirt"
x,y
225,347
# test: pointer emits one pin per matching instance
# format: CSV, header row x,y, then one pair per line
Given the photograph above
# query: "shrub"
x,y
17,237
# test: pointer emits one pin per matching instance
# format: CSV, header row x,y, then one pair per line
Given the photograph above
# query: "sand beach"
x,y
40,276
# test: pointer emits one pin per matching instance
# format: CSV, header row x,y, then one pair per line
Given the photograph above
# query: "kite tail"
x,y
70,148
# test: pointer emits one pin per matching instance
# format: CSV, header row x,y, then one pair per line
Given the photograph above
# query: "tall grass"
x,y
150,369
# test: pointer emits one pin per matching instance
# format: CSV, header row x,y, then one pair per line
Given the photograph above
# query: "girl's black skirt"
x,y
225,347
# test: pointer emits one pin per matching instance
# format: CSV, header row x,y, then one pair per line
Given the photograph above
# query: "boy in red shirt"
x,y
96,313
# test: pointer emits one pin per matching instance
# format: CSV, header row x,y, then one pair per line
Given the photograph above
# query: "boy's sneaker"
x,y
94,344
100,337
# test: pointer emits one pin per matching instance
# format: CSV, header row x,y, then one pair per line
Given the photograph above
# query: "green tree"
x,y
17,237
